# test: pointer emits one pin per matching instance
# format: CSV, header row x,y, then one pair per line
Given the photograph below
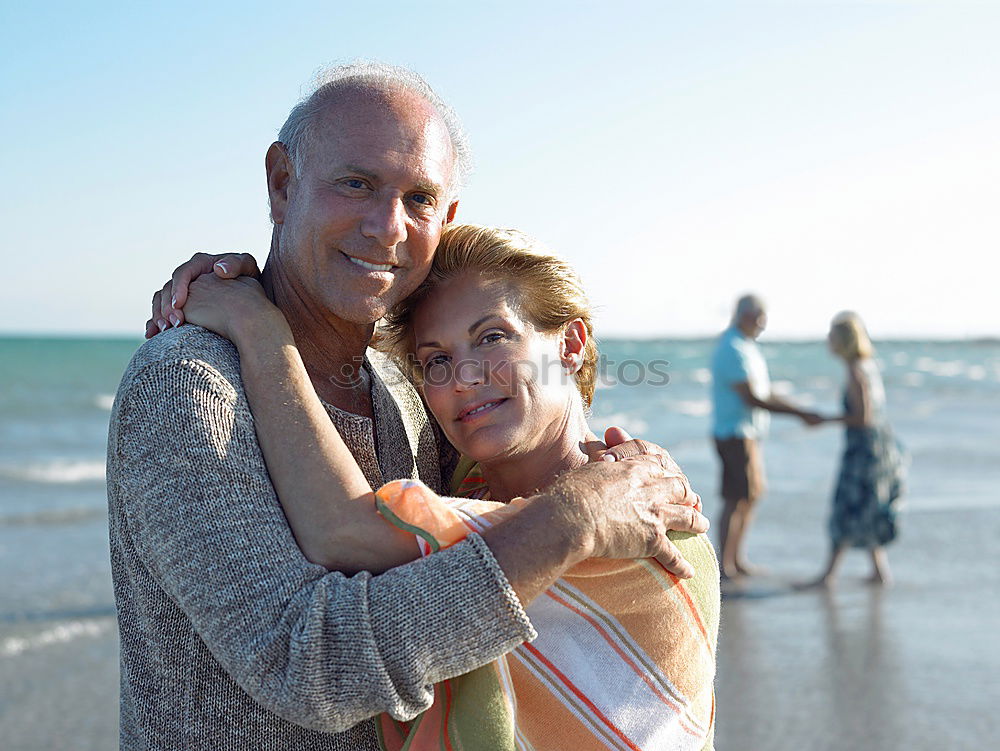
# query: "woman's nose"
x,y
469,373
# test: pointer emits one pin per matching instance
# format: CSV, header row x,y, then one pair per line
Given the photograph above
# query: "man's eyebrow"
x,y
422,186
360,171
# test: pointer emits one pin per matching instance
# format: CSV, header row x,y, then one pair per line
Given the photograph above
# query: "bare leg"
x,y
730,536
743,565
880,567
829,577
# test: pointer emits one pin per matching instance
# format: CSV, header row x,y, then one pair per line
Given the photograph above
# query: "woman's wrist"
x,y
262,327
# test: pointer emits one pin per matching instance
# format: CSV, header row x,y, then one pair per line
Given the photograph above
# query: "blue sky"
x,y
826,155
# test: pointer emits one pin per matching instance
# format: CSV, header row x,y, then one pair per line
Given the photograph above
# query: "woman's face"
x,y
496,385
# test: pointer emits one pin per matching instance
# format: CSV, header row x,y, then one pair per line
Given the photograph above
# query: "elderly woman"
x,y
871,471
500,343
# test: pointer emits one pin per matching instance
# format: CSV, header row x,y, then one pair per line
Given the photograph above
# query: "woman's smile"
x,y
479,409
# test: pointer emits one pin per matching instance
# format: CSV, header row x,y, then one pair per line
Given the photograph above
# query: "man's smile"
x,y
370,266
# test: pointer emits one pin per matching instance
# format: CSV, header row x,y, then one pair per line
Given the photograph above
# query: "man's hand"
x,y
812,419
619,445
623,509
619,509
168,302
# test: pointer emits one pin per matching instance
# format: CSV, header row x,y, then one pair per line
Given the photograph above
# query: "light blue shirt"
x,y
738,359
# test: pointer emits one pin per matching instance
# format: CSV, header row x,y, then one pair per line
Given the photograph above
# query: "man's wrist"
x,y
564,513
540,542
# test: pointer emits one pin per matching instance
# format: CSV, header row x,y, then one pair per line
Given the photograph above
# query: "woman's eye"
x,y
492,338
435,360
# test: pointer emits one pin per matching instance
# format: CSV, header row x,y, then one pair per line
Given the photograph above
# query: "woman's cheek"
x,y
435,402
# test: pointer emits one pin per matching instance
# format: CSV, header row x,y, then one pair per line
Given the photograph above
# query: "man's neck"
x,y
332,349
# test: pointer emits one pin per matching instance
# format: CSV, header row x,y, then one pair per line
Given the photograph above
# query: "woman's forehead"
x,y
463,299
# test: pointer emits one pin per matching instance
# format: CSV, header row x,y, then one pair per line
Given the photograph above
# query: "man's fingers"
x,y
696,498
671,559
682,518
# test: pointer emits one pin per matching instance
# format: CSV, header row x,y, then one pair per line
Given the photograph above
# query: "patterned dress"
x,y
871,475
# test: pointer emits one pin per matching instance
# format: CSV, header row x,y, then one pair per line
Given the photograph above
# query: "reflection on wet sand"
x,y
859,667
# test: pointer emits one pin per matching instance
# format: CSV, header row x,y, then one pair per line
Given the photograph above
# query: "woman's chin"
x,y
486,451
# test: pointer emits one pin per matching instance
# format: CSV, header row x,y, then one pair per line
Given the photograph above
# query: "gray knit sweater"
x,y
230,638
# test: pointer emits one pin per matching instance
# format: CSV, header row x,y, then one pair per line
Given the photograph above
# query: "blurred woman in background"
x,y
872,468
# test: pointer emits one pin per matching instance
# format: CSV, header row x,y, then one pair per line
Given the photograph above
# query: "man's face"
x,y
753,323
359,224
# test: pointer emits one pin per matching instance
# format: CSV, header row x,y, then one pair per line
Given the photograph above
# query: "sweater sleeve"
x,y
320,649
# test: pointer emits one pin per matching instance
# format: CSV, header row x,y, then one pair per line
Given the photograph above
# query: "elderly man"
x,y
742,398
230,638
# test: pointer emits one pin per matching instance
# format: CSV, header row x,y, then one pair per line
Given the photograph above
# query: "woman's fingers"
x,y
156,322
232,265
168,314
200,263
614,436
168,302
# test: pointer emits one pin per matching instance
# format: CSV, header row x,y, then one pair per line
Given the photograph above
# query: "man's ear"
x,y
279,174
452,210
572,345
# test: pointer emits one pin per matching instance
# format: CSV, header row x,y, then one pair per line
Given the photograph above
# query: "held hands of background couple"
x,y
168,303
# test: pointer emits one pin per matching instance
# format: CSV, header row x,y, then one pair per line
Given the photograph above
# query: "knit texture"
x,y
230,638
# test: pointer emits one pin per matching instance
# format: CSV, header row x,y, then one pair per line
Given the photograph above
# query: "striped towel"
x,y
624,658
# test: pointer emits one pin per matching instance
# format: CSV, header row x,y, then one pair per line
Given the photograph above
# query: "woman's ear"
x,y
572,344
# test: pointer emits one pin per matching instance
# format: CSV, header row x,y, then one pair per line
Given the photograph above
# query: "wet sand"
x,y
910,667
913,667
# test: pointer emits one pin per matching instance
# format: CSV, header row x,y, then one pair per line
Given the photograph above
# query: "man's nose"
x,y
385,221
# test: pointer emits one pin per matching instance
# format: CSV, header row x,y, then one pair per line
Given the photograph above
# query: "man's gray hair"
x,y
748,304
371,75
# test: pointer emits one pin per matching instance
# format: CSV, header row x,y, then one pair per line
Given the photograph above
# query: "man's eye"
x,y
354,183
423,199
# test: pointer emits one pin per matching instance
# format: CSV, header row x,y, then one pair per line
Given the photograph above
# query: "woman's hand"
x,y
237,309
169,301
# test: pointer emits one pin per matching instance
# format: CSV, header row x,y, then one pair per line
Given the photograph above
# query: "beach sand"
x,y
912,667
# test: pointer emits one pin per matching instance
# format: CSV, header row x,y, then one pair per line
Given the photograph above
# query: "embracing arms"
x,y
615,511
197,530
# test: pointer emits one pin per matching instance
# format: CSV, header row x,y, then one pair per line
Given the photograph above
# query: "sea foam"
x,y
61,472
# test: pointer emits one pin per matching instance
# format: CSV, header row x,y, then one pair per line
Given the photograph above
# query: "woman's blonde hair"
x,y
849,337
550,293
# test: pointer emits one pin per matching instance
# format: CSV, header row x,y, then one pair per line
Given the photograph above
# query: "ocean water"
x,y
943,401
